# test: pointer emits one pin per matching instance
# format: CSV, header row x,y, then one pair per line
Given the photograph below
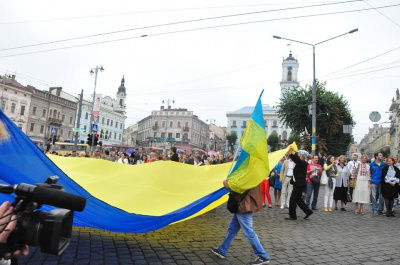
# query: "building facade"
x,y
110,121
394,126
130,135
168,127
238,119
377,140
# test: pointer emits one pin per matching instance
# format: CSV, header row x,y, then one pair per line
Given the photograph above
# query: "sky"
x,y
211,57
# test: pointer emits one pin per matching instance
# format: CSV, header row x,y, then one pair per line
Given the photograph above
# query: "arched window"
x,y
289,75
284,135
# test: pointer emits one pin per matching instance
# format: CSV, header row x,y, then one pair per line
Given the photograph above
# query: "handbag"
x,y
272,180
315,180
349,199
324,178
233,205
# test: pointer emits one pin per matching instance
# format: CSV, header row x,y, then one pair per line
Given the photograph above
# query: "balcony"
x,y
55,122
185,129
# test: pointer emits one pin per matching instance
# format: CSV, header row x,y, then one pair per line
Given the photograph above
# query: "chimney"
x,y
13,77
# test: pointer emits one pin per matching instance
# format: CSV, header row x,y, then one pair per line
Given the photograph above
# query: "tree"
x,y
294,137
232,138
273,141
332,113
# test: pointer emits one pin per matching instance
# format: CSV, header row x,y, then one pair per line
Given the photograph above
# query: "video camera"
x,y
49,230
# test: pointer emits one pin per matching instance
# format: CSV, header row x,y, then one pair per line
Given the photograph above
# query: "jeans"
x,y
244,221
310,189
374,189
286,189
328,199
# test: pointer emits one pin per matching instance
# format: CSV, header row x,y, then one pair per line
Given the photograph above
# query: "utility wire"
x,y
394,22
195,29
175,23
374,71
146,12
379,55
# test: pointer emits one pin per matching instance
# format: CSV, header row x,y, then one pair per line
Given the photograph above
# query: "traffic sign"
x,y
95,128
53,130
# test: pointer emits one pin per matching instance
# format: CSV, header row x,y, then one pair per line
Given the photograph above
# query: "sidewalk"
x,y
326,238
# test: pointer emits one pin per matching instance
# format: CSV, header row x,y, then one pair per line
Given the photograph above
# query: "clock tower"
x,y
290,67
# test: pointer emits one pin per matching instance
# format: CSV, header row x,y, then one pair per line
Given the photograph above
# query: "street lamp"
x,y
92,120
314,90
168,101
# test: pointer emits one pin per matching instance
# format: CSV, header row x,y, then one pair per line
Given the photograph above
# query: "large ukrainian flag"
x,y
252,166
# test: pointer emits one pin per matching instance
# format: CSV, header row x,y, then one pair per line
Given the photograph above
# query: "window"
x,y
32,127
169,135
178,135
108,121
22,112
58,115
112,122
115,135
120,102
186,124
154,134
274,123
233,123
34,111
162,135
70,120
179,125
84,127
3,104
51,112
86,116
41,128
289,75
244,124
106,135
63,117
69,135
163,124
61,132
102,120
119,137
116,125
171,123
13,107
44,113
121,126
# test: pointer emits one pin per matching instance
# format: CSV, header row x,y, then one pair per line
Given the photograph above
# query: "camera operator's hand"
x,y
7,228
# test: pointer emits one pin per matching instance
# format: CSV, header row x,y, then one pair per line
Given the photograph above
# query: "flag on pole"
x,y
252,165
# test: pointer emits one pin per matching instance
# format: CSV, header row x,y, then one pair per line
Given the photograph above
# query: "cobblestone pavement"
x,y
338,237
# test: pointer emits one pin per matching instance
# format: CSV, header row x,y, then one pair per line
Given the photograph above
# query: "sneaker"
x,y
216,252
260,260
330,209
326,209
282,207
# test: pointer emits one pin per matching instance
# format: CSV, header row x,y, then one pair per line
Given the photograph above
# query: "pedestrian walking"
x,y
299,183
313,170
244,220
390,185
286,177
363,185
376,174
331,171
342,184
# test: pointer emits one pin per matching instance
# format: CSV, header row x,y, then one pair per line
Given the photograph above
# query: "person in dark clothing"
x,y
321,160
299,183
390,179
174,155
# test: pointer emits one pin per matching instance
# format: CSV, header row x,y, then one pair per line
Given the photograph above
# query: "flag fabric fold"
x,y
252,165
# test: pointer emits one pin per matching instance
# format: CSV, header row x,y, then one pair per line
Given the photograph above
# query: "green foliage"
x,y
273,141
232,138
294,137
332,113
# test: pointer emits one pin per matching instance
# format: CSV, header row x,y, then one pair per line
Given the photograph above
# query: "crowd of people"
x,y
375,183
139,156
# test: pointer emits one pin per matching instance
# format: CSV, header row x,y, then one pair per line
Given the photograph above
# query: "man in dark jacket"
x,y
299,183
249,203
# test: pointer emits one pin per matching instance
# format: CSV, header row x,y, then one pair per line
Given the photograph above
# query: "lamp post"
x,y
168,101
92,120
314,90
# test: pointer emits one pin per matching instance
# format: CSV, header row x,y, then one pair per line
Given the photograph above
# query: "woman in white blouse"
x,y
390,185
361,192
342,181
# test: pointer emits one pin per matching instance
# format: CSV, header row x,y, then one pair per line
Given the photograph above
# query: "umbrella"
x,y
129,150
180,150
